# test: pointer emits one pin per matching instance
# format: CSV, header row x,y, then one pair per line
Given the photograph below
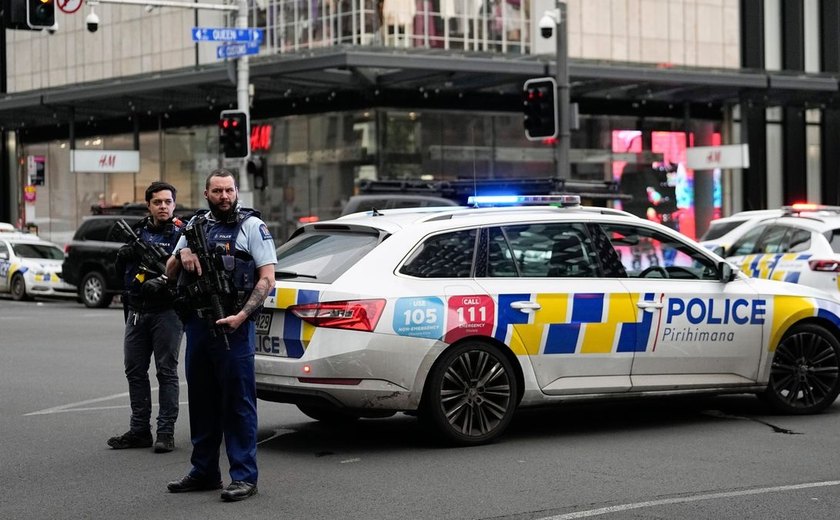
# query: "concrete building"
x,y
350,90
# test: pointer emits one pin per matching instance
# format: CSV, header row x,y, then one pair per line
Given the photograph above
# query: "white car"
x,y
798,247
463,315
723,232
31,267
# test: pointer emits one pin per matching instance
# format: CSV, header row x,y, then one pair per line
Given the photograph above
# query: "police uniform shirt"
x,y
253,238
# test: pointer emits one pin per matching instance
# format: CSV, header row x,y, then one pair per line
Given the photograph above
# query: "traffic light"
x,y
40,14
234,138
539,106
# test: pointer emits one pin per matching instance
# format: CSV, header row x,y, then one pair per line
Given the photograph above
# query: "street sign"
x,y
69,6
235,50
227,34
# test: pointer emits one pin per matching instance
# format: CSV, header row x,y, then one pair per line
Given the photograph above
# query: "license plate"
x,y
263,323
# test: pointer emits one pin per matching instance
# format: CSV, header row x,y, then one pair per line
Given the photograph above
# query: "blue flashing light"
x,y
487,200
524,200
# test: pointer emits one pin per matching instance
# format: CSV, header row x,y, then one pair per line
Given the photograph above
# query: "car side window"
x,y
555,250
798,240
500,257
648,253
97,229
772,241
448,255
746,245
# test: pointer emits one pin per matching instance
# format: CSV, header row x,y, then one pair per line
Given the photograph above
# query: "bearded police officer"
x,y
152,327
220,347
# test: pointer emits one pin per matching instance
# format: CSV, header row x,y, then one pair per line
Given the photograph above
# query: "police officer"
x,y
152,327
220,367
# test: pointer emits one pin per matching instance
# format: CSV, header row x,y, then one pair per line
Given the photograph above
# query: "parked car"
x,y
463,315
723,232
359,203
801,246
91,257
31,267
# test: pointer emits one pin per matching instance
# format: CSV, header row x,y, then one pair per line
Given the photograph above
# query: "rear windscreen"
x,y
718,229
322,256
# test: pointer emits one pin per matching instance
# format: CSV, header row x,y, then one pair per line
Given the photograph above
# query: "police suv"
x,y
462,315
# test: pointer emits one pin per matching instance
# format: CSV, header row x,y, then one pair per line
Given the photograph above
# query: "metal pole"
x,y
562,76
243,104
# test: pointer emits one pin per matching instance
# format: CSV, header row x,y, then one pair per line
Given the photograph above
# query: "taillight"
x,y
830,266
66,248
353,314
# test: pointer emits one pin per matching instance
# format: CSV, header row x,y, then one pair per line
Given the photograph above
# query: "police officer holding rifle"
x,y
224,282
152,327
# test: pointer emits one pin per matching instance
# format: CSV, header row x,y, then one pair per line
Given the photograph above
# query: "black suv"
x,y
91,259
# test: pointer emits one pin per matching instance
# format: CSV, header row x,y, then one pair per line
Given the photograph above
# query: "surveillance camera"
x,y
546,26
92,22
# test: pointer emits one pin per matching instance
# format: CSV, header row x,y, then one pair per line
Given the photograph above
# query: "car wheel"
x,y
327,414
19,288
805,374
93,290
470,394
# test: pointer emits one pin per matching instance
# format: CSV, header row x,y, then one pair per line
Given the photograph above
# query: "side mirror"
x,y
727,272
4,256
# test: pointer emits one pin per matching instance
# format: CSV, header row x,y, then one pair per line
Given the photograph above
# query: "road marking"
x,y
694,498
74,407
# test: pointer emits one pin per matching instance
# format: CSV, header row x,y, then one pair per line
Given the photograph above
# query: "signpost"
x,y
227,34
235,50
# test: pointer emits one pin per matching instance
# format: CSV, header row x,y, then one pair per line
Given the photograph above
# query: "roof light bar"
x,y
803,207
524,200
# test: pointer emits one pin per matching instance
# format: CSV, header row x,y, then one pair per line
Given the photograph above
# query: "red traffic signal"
x,y
539,108
234,138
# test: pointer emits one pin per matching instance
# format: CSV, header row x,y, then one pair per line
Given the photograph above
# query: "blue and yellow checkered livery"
x,y
295,334
575,323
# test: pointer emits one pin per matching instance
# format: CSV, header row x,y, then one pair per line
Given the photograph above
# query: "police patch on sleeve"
x,y
264,232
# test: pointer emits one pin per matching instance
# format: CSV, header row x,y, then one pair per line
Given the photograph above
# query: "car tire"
x,y
470,395
92,290
18,288
328,415
805,372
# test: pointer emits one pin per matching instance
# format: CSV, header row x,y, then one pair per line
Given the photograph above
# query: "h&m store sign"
x,y
117,161
105,161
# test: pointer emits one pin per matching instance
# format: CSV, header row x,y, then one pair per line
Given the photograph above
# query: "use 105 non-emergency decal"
x,y
424,317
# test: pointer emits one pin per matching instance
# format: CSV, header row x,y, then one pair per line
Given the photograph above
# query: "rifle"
x,y
151,257
214,284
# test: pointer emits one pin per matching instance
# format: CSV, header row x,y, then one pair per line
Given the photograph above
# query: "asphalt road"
x,y
63,393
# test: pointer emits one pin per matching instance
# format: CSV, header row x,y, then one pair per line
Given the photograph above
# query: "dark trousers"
x,y
223,400
150,334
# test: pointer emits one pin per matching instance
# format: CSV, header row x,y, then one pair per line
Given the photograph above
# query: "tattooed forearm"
x,y
258,295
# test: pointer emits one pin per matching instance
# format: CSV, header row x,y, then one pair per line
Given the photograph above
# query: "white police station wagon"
x,y
31,267
464,314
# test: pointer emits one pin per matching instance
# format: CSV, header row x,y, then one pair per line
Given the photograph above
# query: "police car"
x,y
801,246
723,232
462,315
30,267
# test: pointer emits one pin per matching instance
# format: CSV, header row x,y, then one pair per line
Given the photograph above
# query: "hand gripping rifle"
x,y
214,285
150,257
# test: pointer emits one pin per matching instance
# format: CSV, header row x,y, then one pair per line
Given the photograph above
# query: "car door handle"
x,y
526,307
649,306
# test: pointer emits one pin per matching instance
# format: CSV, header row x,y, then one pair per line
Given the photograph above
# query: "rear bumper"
x,y
348,369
